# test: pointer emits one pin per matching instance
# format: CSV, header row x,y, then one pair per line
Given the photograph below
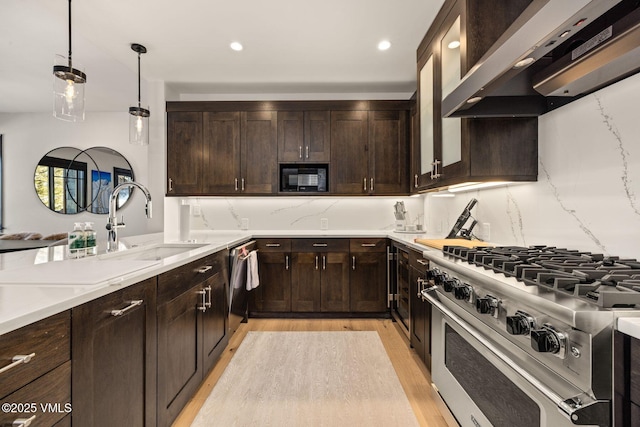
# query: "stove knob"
x,y
450,284
431,274
517,325
440,278
462,292
544,341
483,305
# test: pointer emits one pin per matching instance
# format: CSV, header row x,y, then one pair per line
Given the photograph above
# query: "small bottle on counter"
x,y
90,236
77,242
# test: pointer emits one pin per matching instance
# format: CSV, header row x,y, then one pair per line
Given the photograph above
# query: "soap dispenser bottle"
x,y
77,241
90,236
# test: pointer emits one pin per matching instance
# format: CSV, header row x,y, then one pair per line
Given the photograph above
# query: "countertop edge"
x,y
629,326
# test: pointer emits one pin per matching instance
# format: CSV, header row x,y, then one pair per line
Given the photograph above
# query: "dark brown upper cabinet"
x,y
304,136
450,151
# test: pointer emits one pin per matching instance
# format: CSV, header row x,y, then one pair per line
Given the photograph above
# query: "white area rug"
x,y
308,379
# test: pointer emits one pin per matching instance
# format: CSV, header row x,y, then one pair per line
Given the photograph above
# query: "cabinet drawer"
x,y
320,245
368,245
273,245
179,280
417,261
48,339
51,392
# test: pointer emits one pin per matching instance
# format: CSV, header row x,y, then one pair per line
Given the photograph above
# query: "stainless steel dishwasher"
x,y
238,293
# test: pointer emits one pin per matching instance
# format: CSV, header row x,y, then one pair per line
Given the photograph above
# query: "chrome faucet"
x,y
112,225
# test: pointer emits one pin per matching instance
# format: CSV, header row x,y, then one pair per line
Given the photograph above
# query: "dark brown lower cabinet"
x,y
192,307
320,282
626,385
274,293
420,311
114,358
368,276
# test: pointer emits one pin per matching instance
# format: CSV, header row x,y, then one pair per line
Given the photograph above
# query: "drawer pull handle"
x,y
273,245
23,422
122,311
422,262
368,245
204,269
18,359
320,245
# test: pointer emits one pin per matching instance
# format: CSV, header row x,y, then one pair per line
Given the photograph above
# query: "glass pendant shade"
x,y
139,125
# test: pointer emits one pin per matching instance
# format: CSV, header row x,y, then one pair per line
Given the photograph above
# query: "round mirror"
x,y
68,180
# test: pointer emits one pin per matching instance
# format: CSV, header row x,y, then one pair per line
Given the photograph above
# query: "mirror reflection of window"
x,y
61,185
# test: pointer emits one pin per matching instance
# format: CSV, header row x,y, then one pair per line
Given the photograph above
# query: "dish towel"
x,y
253,280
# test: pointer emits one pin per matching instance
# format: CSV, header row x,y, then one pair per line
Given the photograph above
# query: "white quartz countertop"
x,y
629,326
22,304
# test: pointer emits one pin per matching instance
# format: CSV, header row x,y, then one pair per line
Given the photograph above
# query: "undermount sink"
x,y
155,252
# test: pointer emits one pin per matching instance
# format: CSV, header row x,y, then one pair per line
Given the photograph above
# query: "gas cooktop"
x,y
608,281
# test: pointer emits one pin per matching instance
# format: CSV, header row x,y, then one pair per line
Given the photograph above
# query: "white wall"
x,y
588,184
28,137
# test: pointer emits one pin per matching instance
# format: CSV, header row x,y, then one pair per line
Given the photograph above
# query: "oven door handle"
x,y
550,394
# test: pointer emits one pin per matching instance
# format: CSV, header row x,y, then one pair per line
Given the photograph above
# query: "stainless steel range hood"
x,y
503,79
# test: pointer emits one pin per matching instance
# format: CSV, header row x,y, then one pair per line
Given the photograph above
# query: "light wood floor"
x,y
413,375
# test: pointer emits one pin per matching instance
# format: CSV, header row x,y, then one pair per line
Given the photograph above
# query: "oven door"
x,y
483,384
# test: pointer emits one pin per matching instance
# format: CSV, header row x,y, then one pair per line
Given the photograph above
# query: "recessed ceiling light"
x,y
474,99
524,62
384,45
454,44
236,46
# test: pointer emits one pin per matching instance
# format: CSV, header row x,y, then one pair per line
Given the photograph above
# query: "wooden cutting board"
x,y
440,243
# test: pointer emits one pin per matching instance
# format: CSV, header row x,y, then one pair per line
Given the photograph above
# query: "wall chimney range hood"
x,y
556,51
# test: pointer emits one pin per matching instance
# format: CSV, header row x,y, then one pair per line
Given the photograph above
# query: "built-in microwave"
x,y
304,178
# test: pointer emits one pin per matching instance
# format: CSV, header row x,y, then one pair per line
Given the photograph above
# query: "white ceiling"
x,y
290,47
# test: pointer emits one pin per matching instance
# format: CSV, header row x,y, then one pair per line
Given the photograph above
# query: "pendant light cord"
x,y
70,66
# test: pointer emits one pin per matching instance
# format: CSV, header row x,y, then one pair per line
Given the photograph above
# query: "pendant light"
x,y
139,119
68,86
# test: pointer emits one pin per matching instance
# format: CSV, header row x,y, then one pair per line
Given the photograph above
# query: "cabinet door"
x,y
221,152
259,148
274,292
368,282
305,282
426,124
184,153
388,160
417,310
214,319
349,158
334,286
291,136
114,358
317,136
180,366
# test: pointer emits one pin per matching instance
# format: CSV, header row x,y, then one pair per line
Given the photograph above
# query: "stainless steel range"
x,y
523,336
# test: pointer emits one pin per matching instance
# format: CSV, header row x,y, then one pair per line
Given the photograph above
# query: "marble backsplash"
x,y
291,213
588,184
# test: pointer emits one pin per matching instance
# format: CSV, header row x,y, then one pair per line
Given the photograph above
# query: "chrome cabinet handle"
x,y
204,269
236,184
353,262
23,422
435,168
316,262
371,185
286,262
320,245
368,245
364,186
18,359
324,262
273,245
170,184
415,181
122,311
242,187
307,151
300,147
203,293
208,303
